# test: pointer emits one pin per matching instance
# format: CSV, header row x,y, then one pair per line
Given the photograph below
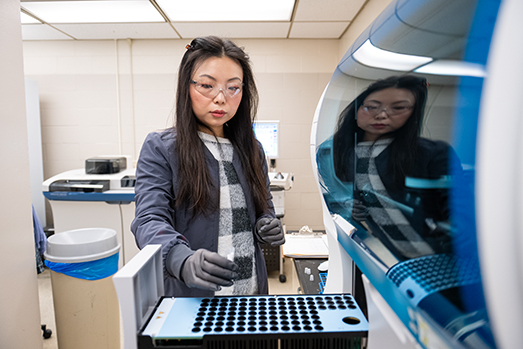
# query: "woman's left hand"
x,y
360,212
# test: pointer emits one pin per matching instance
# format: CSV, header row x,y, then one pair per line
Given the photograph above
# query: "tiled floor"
x,y
46,296
288,287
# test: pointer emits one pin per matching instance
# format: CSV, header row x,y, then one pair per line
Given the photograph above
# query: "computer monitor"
x,y
267,132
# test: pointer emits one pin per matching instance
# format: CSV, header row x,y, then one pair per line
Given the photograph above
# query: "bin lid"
x,y
81,245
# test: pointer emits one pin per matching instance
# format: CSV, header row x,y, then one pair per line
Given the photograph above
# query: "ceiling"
x,y
310,19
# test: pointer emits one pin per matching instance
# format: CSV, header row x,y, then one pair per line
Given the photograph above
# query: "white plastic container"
x,y
86,311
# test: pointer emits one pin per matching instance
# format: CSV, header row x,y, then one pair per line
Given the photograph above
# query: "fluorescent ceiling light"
x,y
455,68
125,11
227,10
372,56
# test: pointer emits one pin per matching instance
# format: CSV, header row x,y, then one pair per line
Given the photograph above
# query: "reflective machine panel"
x,y
395,142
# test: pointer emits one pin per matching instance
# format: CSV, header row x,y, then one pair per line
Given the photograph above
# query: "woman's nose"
x,y
382,114
220,97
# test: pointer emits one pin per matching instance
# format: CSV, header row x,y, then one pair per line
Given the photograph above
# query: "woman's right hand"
x,y
208,270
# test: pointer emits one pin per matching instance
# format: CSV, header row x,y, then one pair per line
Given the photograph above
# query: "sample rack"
x,y
283,321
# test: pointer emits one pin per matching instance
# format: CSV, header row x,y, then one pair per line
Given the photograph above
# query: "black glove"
x,y
208,270
360,212
269,230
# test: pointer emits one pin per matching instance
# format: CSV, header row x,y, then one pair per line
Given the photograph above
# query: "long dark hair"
x,y
404,148
195,182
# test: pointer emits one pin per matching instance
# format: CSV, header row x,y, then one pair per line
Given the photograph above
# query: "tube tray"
x,y
309,321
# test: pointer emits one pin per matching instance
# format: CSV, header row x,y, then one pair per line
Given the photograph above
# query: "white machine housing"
x,y
280,183
139,285
497,181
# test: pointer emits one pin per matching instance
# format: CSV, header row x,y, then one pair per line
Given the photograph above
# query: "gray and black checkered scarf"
x,y
382,209
236,240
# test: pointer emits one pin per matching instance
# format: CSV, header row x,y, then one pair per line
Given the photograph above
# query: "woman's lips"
x,y
217,113
379,126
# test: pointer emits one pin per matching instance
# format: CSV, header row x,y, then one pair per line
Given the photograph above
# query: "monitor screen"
x,y
267,133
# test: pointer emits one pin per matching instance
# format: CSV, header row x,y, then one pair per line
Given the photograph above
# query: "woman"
x,y
202,188
377,146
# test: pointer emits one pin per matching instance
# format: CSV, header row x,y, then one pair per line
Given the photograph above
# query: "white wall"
x,y
19,309
93,103
103,97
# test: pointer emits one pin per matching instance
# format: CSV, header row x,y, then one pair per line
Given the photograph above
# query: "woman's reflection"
x,y
399,178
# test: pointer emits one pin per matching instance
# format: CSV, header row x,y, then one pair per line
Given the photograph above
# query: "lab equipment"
x,y
331,321
305,246
314,321
82,200
268,133
433,299
279,184
105,164
139,285
324,266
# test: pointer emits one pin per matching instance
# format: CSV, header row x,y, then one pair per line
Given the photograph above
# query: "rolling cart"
x,y
274,259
